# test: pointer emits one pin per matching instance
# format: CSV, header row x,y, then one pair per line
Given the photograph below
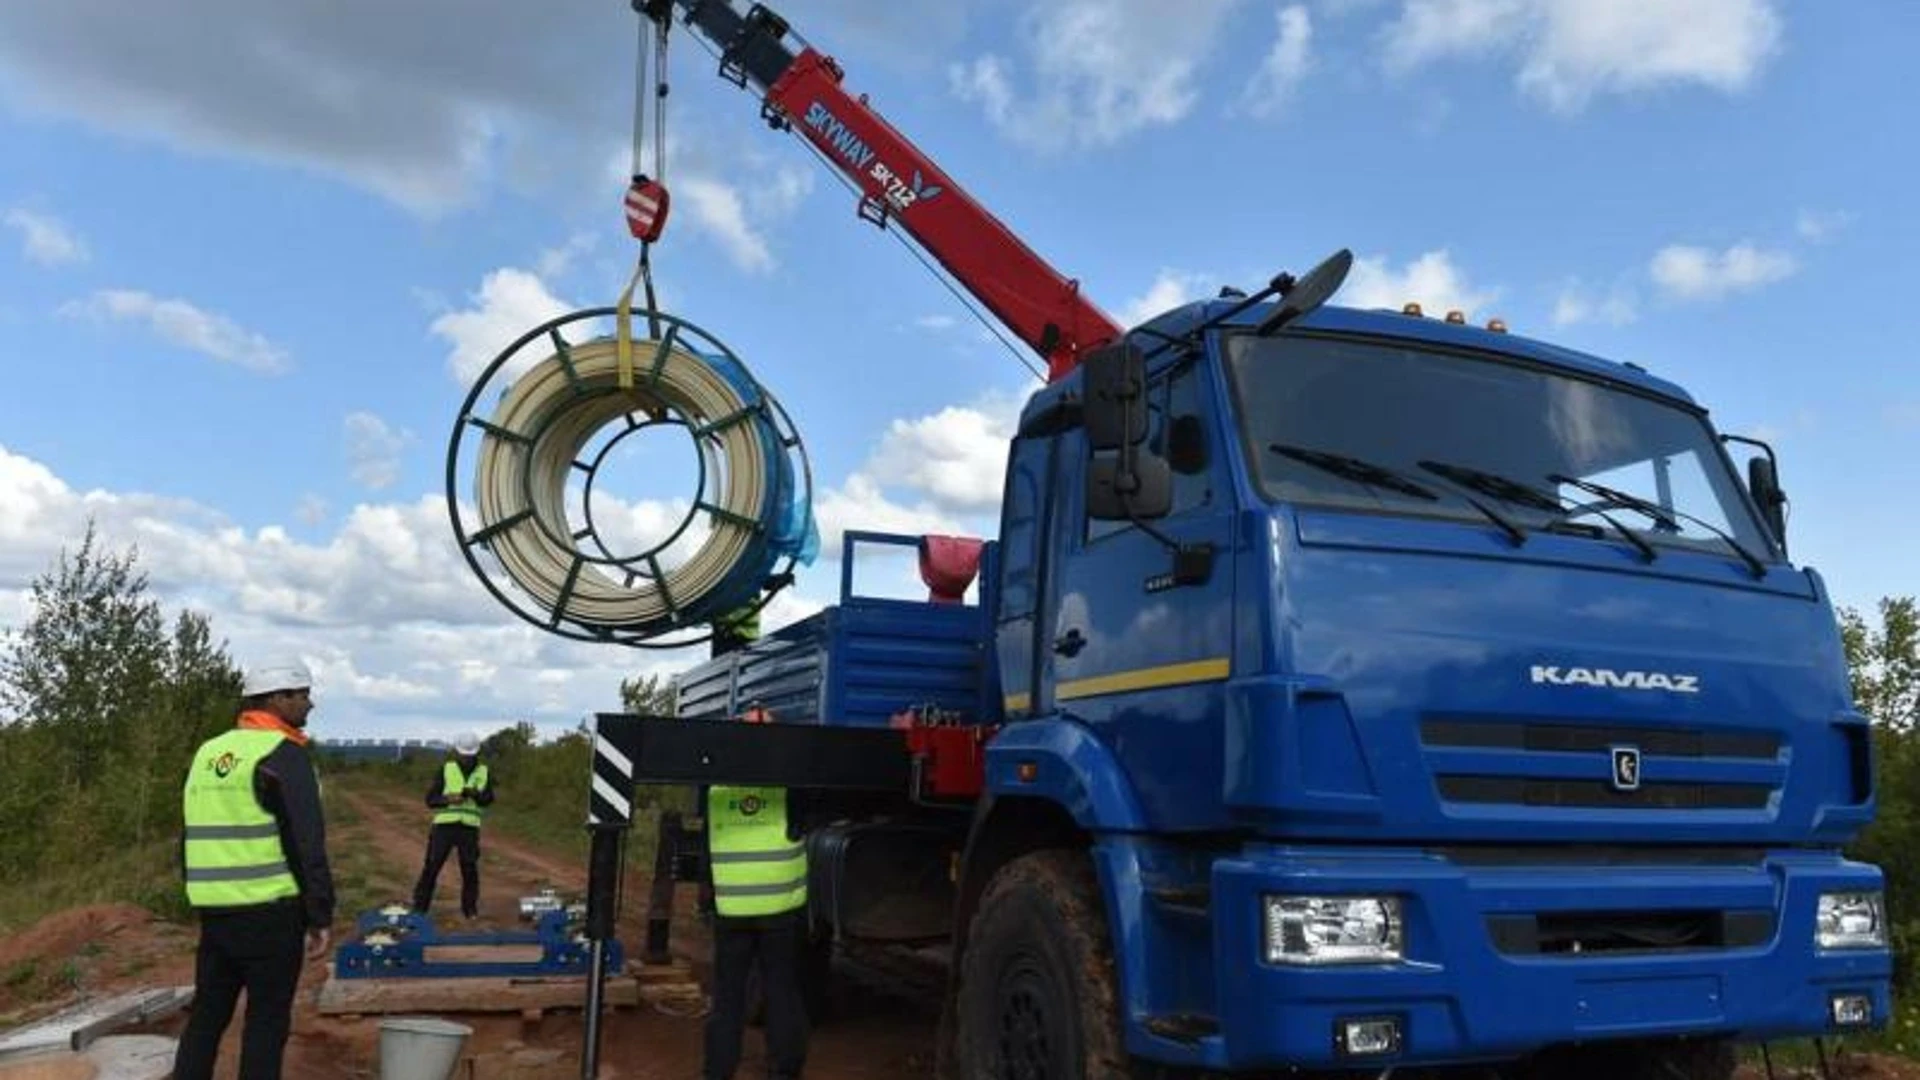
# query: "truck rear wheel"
x,y
1038,996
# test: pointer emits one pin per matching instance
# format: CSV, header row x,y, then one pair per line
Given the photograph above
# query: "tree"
x,y
648,696
86,658
106,703
1884,662
510,740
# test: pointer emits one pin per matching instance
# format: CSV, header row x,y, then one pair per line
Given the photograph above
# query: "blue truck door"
x,y
1142,660
1024,514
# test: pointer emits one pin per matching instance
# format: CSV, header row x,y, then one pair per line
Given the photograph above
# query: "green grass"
x,y
147,876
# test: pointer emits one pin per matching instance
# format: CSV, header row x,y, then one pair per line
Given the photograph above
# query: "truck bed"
x,y
858,663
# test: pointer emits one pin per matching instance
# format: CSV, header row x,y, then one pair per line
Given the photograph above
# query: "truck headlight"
x,y
1333,929
1851,920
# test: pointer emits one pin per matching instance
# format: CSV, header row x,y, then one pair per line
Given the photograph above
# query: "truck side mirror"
x,y
1135,483
1763,483
1115,413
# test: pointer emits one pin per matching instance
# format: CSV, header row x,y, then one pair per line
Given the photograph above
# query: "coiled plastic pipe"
x,y
550,414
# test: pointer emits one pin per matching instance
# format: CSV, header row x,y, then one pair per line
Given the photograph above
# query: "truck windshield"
x,y
1371,425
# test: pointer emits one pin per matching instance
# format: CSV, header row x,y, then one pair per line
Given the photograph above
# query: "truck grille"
x,y
1578,933
1521,791
1540,764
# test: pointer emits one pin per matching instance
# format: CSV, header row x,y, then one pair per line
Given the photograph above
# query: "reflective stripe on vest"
x,y
757,870
452,783
233,852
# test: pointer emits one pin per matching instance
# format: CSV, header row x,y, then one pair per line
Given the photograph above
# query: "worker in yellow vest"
x,y
254,855
734,631
461,792
757,857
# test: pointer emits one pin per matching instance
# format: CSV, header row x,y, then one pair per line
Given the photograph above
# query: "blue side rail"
x,y
864,660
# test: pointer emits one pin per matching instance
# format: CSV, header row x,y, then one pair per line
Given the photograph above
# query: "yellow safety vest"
x,y
741,622
452,784
233,852
757,870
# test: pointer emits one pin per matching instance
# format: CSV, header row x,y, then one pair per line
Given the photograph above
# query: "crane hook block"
x,y
647,204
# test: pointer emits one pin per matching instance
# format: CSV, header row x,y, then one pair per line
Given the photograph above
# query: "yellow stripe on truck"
x,y
1192,671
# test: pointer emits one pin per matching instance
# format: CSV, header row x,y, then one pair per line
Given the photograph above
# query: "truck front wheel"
x,y
1038,996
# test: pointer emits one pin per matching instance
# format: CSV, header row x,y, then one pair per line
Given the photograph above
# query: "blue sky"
x,y
251,256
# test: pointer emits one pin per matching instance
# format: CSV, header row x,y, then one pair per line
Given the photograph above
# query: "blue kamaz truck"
x,y
1344,690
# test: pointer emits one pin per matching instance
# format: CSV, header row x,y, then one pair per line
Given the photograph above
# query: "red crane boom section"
x,y
899,182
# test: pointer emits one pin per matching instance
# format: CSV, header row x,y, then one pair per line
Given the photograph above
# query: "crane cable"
x,y
655,35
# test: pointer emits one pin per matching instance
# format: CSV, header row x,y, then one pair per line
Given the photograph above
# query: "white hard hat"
x,y
466,743
277,675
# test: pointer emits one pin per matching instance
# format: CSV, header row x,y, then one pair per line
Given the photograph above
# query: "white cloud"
x,y
782,192
1577,303
1432,281
861,504
556,261
185,325
310,510
1696,273
427,104
1821,225
384,98
718,210
1170,289
385,609
1571,50
46,239
510,302
958,456
373,449
1286,65
1102,70
936,323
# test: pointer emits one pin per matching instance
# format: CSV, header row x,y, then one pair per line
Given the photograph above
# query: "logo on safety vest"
x,y
750,805
224,764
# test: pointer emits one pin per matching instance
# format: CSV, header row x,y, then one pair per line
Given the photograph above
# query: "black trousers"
x,y
774,944
444,839
259,950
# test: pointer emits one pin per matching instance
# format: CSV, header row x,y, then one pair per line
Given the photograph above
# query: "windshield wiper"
x,y
1661,516
1366,472
1513,491
1500,487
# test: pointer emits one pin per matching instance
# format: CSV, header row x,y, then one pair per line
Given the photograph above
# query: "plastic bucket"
x,y
420,1048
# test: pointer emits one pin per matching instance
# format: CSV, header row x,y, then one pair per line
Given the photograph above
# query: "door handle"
x,y
1070,643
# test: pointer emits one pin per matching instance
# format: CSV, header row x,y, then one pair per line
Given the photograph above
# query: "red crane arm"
x,y
900,183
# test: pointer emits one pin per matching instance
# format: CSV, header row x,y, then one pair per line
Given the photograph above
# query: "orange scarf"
x,y
255,720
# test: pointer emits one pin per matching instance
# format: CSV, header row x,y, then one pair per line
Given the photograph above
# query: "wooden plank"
x,y
366,996
74,1027
152,1005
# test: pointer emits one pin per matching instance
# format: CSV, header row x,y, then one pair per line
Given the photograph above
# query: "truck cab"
x,y
1441,695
